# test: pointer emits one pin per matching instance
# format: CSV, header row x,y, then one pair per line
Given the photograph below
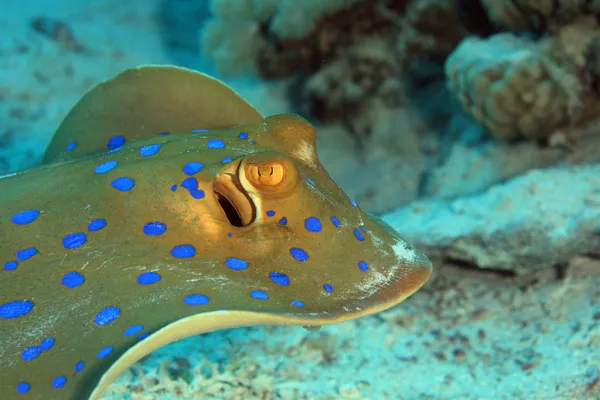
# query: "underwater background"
x,y
472,127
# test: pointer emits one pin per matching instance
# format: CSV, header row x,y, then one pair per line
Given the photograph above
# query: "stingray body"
x,y
166,207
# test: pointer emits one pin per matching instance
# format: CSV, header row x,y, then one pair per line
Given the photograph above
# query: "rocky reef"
x,y
395,80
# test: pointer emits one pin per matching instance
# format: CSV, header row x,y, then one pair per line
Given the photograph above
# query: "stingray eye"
x,y
266,175
270,174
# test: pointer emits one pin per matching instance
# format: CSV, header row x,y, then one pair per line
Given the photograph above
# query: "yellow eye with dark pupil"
x,y
266,174
265,170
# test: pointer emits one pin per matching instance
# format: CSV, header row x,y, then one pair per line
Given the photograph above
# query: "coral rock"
x,y
539,220
522,88
504,83
342,53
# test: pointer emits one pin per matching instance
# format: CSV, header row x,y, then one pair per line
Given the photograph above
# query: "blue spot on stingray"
x,y
72,279
107,315
164,133
310,181
312,224
328,288
30,353
192,167
71,146
336,222
283,221
236,264
15,309
200,130
363,266
47,344
173,188
142,336
11,265
23,387
149,150
59,382
123,183
253,142
226,160
229,234
297,303
190,184
78,366
279,278
243,135
183,251
259,295
196,300
215,144
154,228
115,141
353,203
105,166
197,193
104,352
299,254
270,213
358,235
25,254
362,228
132,330
74,240
96,225
25,217
148,278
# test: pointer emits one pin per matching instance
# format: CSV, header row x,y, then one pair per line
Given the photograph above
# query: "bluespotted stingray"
x,y
166,206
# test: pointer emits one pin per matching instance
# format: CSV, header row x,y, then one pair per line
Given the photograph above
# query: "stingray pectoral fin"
x,y
190,326
144,101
